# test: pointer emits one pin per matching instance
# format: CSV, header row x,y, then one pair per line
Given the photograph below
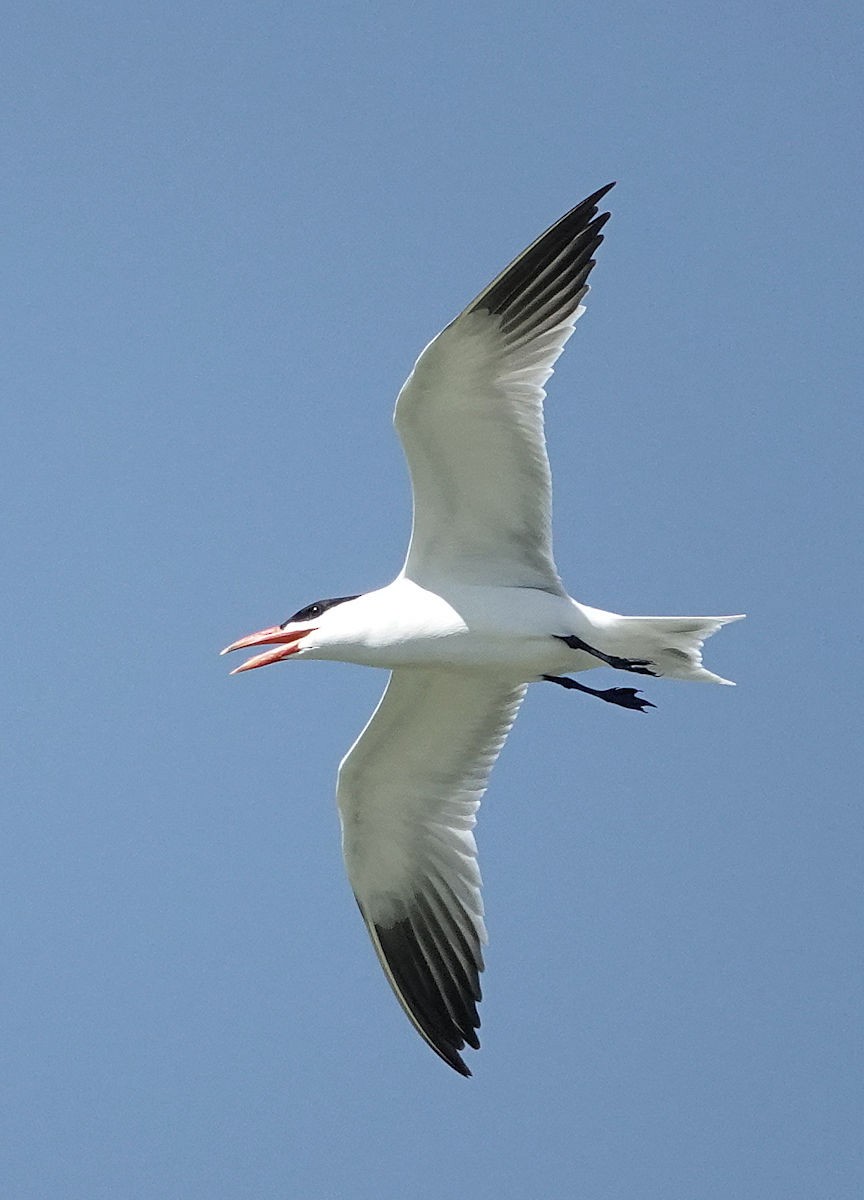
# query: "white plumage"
x,y
476,614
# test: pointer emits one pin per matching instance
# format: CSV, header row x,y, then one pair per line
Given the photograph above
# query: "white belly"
x,y
511,630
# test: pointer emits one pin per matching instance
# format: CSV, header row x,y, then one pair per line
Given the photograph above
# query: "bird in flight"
x,y
477,613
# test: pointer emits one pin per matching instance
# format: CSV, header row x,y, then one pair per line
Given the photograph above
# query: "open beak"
x,y
287,642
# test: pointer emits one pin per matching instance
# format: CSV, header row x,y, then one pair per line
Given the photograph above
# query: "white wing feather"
x,y
408,792
470,417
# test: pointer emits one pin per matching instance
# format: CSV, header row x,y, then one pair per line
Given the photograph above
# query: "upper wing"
x,y
408,793
470,416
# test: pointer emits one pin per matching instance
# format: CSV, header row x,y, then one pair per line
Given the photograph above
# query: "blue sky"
x,y
228,231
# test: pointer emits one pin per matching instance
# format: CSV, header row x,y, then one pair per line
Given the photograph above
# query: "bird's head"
x,y
287,638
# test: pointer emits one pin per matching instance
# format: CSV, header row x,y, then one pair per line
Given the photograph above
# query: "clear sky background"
x,y
228,230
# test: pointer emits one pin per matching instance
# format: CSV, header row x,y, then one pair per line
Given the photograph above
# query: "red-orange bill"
x,y
286,641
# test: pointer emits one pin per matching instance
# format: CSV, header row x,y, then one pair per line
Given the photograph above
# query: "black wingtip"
x,y
453,1059
543,286
437,997
600,193
593,201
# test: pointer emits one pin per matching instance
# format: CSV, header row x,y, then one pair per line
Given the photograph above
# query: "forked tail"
x,y
672,644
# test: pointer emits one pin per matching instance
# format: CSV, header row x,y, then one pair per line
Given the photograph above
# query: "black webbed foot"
x,y
625,697
639,666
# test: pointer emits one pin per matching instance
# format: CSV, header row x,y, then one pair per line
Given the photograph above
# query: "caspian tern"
x,y
477,612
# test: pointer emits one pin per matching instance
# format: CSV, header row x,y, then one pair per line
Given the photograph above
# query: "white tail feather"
x,y
672,644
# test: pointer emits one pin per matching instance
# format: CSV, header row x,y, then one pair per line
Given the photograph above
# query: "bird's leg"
x,y
640,666
626,697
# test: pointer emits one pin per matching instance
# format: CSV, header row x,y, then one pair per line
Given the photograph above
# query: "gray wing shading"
x,y
470,417
408,792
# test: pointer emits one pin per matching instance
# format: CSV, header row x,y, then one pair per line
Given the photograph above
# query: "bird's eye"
x,y
315,610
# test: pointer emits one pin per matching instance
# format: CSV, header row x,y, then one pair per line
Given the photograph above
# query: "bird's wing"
x,y
408,793
470,417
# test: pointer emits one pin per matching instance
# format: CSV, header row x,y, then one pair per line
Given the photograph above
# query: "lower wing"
x,y
408,794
